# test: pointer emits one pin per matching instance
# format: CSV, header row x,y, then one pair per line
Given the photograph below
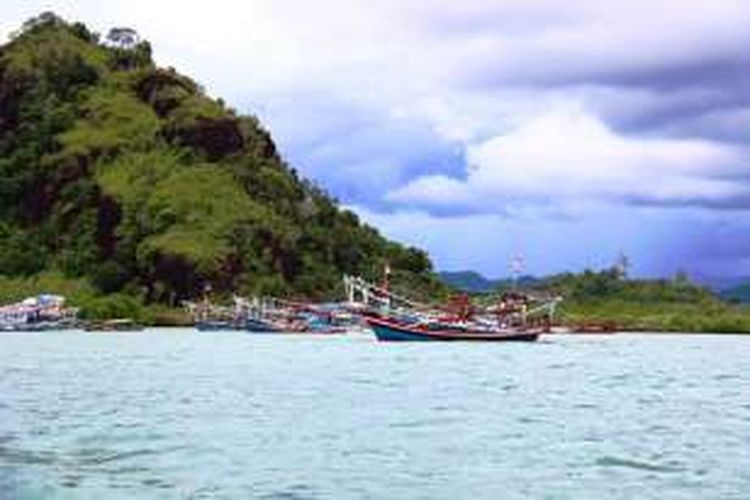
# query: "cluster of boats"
x,y
514,317
47,312
39,313
272,315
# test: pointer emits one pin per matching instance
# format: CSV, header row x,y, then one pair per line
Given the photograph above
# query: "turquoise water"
x,y
181,414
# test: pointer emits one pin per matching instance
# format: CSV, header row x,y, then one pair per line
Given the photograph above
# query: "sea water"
x,y
181,414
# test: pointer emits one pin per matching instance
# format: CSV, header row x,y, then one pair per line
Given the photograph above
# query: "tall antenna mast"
x,y
622,266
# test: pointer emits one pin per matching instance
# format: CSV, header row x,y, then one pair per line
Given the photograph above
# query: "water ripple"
x,y
19,456
612,461
182,414
95,457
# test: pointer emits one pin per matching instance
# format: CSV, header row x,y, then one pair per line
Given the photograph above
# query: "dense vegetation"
x,y
645,305
120,177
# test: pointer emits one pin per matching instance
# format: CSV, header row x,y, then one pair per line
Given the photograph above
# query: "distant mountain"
x,y
734,288
473,282
738,293
468,281
719,283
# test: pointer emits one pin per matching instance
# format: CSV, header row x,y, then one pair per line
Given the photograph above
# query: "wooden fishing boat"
x,y
389,329
258,325
40,313
114,325
271,315
595,327
210,325
291,326
520,317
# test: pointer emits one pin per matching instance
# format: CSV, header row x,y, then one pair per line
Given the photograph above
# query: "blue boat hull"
x,y
390,331
393,335
253,325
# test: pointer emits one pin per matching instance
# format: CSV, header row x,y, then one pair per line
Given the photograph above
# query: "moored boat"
x,y
209,325
114,325
40,313
389,329
520,317
258,325
595,327
271,315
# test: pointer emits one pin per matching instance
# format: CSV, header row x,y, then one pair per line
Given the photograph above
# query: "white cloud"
x,y
568,155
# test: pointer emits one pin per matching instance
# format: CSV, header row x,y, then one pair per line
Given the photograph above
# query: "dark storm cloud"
x,y
698,51
709,90
738,204
725,71
687,112
729,125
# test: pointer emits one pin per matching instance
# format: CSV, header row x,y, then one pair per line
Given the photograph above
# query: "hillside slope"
x,y
675,304
468,281
129,177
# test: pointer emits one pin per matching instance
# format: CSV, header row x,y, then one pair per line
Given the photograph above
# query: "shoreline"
x,y
184,328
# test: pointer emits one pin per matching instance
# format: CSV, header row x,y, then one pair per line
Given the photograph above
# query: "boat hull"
x,y
254,325
215,326
390,331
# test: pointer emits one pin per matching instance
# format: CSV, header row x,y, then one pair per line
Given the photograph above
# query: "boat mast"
x,y
516,267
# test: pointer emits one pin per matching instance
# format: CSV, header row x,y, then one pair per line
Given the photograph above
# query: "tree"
x,y
47,18
124,38
81,31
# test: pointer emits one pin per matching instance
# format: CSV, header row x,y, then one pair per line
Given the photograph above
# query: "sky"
x,y
564,132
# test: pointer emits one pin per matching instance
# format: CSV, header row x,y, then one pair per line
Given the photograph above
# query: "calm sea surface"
x,y
181,414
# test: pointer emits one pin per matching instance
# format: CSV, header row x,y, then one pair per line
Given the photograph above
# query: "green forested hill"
x,y
127,178
473,282
468,281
